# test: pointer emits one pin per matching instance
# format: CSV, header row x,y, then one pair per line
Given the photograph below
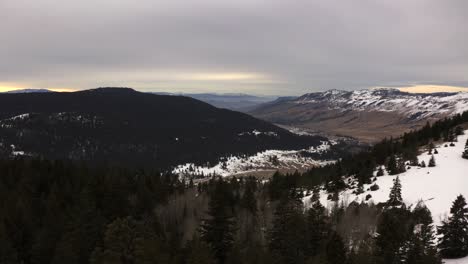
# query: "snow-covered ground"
x,y
437,186
266,160
456,261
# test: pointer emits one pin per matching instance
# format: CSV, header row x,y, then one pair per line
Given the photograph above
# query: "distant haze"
x,y
262,47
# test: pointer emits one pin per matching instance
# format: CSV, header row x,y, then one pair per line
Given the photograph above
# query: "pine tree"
x,y
380,172
199,252
119,243
336,182
394,198
217,229
317,226
335,250
423,164
401,166
393,229
432,162
454,243
420,248
430,148
8,254
248,200
392,166
287,236
465,152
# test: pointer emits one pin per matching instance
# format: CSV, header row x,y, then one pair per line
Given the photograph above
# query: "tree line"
x,y
59,212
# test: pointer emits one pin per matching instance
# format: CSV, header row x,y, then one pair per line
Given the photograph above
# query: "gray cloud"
x,y
255,46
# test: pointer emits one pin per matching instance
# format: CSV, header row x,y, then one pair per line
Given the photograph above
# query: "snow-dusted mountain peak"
x,y
413,105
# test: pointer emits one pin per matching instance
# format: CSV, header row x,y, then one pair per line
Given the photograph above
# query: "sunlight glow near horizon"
x,y
10,88
433,89
208,77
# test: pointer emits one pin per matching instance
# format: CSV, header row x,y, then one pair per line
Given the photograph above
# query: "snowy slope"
x,y
266,160
415,106
437,186
456,261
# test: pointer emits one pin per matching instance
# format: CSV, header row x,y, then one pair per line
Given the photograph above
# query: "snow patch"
x,y
266,160
456,261
18,117
258,133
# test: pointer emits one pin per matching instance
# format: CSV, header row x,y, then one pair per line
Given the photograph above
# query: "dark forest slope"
x,y
122,126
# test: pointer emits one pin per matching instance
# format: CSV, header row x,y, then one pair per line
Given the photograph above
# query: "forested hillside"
x,y
63,212
124,127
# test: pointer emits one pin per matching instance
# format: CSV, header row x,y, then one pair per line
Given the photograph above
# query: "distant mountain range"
x,y
238,102
233,101
29,91
368,115
126,127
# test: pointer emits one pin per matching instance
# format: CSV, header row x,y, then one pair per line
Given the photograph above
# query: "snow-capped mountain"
x,y
369,114
29,91
415,106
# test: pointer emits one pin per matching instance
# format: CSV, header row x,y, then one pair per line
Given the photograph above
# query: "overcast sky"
x,y
251,46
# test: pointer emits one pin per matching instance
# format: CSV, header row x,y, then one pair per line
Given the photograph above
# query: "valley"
x,y
233,132
367,115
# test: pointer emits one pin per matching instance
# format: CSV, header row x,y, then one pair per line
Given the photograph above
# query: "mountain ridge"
x,y
368,115
121,125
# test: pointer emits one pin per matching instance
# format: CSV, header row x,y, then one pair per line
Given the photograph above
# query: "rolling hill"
x,y
126,127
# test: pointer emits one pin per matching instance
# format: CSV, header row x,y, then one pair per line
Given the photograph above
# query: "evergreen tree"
x,y
454,243
8,254
392,166
335,250
430,148
287,236
336,182
423,164
421,248
248,200
119,243
217,230
317,227
395,198
199,252
432,162
380,172
393,229
465,152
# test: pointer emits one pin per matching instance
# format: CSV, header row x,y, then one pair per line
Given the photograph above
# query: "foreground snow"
x,y
266,160
437,186
456,261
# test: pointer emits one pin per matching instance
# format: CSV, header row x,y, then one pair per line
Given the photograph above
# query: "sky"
x,y
270,47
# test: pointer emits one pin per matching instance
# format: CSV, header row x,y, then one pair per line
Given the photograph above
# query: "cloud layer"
x,y
254,46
